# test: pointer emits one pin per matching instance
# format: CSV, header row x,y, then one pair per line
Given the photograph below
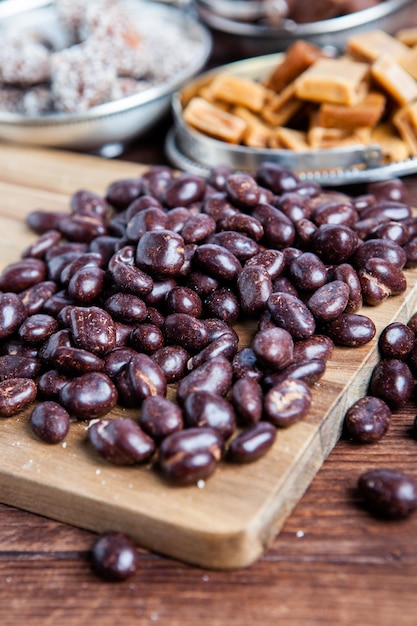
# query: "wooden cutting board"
x,y
231,519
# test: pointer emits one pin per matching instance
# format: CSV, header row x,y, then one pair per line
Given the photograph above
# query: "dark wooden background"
x,y
332,564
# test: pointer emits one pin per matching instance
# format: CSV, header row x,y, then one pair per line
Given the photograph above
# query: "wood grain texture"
x,y
232,520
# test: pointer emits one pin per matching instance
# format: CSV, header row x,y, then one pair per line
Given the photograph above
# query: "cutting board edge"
x,y
235,548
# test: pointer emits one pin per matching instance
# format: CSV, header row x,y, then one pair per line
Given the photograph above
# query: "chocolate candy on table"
x,y
138,289
114,556
388,493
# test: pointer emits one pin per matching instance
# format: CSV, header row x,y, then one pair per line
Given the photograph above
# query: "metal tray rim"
x,y
289,27
328,163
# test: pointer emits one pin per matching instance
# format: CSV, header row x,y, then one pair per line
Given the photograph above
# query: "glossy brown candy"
x,y
225,345
254,286
347,274
381,249
140,378
316,347
160,252
15,395
223,304
206,409
34,297
88,259
308,371
82,228
242,223
245,365
146,338
92,329
120,441
368,419
273,348
215,376
350,330
12,314
126,307
117,359
197,227
379,280
22,275
392,189
37,327
287,403
388,209
75,361
88,396
61,337
173,362
334,243
247,398
50,384
279,231
190,455
276,177
242,189
149,219
396,341
121,193
271,260
388,493
242,246
159,417
41,221
42,244
252,443
217,261
86,285
290,313
18,366
50,421
307,272
184,330
183,300
184,190
392,381
335,211
86,202
129,278
114,557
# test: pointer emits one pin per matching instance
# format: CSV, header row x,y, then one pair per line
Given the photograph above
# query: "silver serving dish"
x,y
251,39
106,128
193,151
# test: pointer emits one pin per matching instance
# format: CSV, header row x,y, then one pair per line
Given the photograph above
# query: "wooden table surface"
x,y
332,564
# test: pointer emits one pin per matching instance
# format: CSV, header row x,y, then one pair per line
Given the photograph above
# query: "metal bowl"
x,y
107,128
251,39
188,149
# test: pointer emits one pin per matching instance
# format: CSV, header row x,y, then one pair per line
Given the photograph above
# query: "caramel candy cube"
x,y
238,91
299,57
288,139
282,107
409,62
211,120
394,79
256,134
368,46
341,81
407,36
405,121
365,113
393,147
321,138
